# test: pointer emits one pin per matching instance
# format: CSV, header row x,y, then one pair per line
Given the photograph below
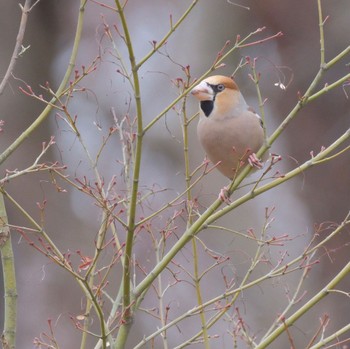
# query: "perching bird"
x,y
228,129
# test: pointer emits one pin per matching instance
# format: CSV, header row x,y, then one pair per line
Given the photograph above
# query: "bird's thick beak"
x,y
203,92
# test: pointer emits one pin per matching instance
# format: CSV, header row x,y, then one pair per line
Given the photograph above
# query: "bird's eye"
x,y
221,87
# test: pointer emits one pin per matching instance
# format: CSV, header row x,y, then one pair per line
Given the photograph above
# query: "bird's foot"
x,y
223,196
254,161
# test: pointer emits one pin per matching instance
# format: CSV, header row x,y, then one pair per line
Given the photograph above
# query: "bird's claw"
x,y
223,196
254,161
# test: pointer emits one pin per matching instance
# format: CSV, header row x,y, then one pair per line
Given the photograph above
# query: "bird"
x,y
229,130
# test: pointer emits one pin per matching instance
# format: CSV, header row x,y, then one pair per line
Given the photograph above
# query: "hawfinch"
x,y
228,129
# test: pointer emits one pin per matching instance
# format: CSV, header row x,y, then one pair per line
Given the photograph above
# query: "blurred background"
x,y
320,195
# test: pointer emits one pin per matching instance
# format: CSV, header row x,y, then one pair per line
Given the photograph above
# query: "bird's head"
x,y
216,91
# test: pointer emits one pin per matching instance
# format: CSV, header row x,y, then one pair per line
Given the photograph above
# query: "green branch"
x,y
9,275
127,309
321,24
196,276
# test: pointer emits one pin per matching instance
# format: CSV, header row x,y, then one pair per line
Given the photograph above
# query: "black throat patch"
x,y
207,107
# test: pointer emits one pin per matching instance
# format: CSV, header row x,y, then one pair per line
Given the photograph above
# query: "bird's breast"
x,y
230,140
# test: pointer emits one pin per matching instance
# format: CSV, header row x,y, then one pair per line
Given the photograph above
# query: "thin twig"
x,y
18,47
